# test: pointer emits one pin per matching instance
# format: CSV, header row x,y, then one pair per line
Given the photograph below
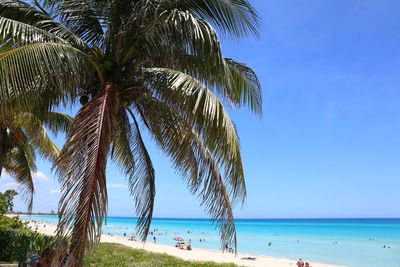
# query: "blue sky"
x,y
328,144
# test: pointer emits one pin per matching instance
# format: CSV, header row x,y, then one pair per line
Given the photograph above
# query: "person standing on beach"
x,y
154,239
300,263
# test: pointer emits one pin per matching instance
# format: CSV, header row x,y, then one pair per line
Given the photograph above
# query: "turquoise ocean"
x,y
351,242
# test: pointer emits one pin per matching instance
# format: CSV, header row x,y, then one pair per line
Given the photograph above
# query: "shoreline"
x,y
196,254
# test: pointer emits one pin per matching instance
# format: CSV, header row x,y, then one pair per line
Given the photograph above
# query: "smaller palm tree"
x,y
22,135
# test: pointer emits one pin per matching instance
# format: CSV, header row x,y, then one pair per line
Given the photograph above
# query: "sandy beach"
x,y
195,254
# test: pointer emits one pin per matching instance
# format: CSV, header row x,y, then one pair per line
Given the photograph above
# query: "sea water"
x,y
351,242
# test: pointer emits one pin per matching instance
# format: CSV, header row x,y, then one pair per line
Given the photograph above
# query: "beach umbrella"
x,y
178,238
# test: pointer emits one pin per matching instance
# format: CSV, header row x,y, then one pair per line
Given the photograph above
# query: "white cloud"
x,y
54,192
11,184
41,177
117,186
6,182
5,175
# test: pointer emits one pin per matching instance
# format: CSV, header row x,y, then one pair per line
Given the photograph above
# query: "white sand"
x,y
195,254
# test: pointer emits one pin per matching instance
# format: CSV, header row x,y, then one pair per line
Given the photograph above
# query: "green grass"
x,y
107,254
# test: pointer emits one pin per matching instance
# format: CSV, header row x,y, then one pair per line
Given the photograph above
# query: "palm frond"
x,y
142,181
81,167
131,155
21,135
121,148
234,82
202,109
236,18
37,18
168,131
56,122
198,165
43,144
37,134
38,66
84,18
198,99
243,86
20,165
22,33
215,196
175,33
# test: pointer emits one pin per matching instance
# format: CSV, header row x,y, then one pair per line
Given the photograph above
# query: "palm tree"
x,y
155,65
22,135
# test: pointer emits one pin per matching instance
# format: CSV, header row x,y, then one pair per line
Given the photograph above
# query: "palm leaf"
x,y
195,161
243,86
174,33
199,106
37,18
37,133
235,18
21,135
84,18
20,165
56,122
234,82
121,150
142,181
168,131
38,66
23,33
81,167
131,155
215,196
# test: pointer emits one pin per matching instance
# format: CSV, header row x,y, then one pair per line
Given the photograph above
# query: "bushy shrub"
x,y
11,222
6,201
15,244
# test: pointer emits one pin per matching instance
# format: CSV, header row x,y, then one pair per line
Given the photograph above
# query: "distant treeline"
x,y
33,213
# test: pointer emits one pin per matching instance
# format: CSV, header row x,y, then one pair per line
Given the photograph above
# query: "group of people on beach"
x,y
229,249
182,245
300,263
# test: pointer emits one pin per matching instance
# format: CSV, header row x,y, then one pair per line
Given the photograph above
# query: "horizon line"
x,y
205,218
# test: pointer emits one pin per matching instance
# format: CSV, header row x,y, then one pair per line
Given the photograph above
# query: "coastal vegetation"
x,y
7,201
6,206
108,254
16,239
17,243
102,254
134,66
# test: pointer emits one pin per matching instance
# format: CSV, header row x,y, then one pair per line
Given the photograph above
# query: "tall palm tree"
x,y
155,65
22,135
